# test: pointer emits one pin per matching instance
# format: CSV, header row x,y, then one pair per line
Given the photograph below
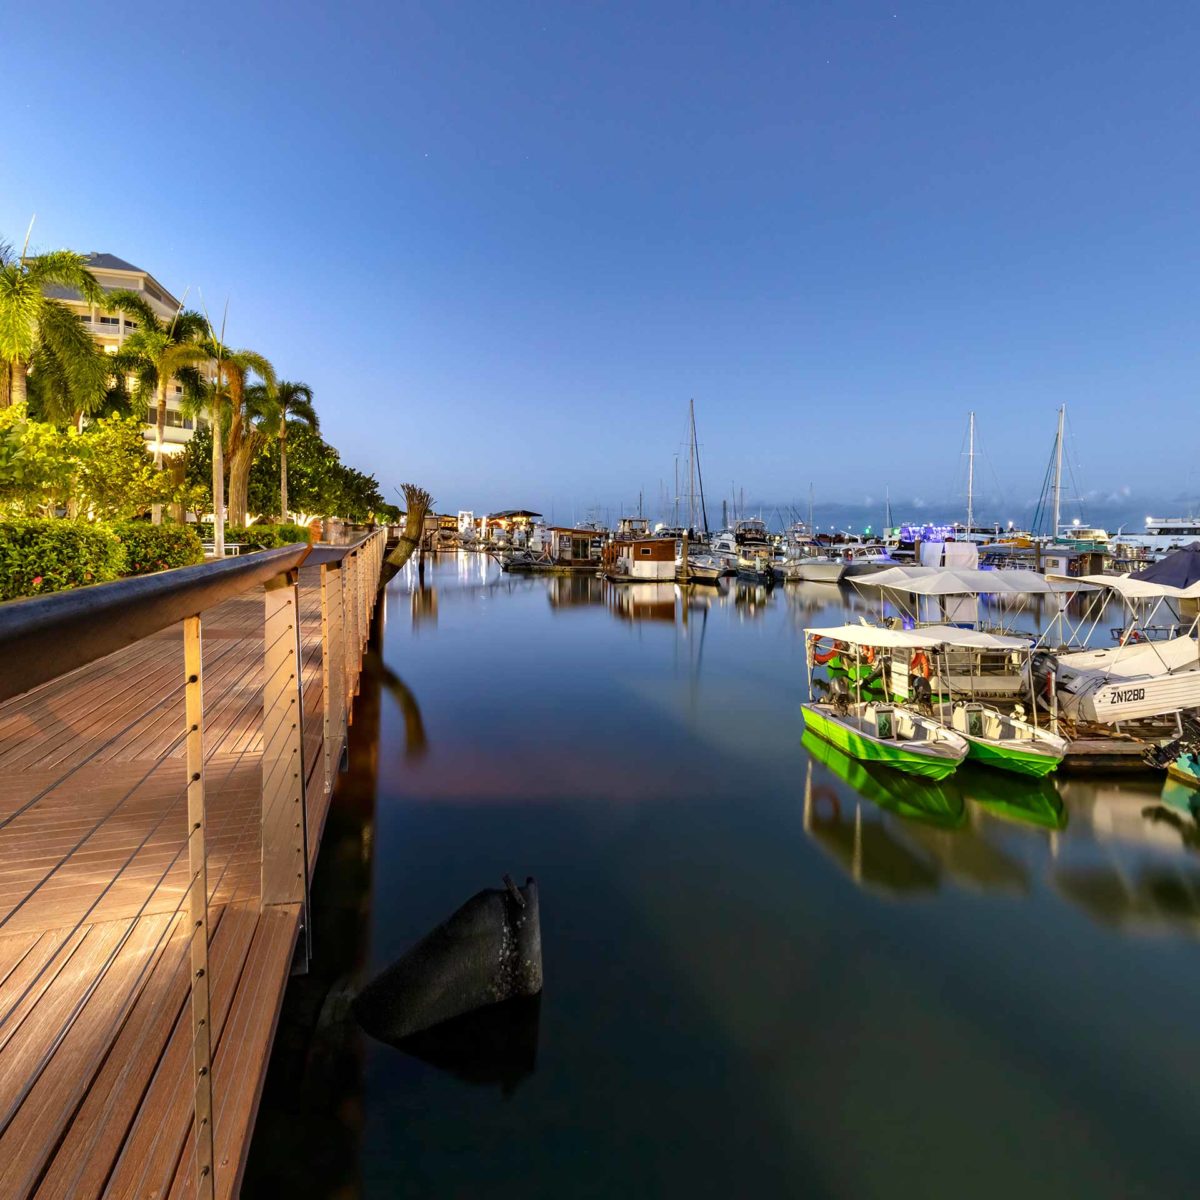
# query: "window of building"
x,y
109,320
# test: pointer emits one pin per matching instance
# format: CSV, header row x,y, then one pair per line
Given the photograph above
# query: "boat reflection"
x,y
864,848
1025,801
907,796
1135,872
751,599
934,838
574,591
642,601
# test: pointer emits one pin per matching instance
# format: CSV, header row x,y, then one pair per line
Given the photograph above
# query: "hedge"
x,y
46,554
265,536
151,548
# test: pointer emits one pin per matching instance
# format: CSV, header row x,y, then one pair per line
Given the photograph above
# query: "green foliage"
x,y
158,547
318,481
37,464
105,473
38,331
262,536
48,555
116,478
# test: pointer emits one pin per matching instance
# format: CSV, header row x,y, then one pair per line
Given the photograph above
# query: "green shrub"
x,y
151,548
46,554
286,534
263,535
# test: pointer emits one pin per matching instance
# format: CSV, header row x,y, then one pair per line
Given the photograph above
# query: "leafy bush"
x,y
158,547
286,534
262,536
39,555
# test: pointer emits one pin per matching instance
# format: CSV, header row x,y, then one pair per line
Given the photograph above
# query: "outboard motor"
x,y
922,695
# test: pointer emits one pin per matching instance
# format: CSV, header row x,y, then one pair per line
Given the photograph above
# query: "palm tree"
x,y
293,402
38,332
248,406
157,352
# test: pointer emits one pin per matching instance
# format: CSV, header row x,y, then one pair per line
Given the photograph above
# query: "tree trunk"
x,y
178,478
5,395
160,426
239,483
283,496
19,380
218,485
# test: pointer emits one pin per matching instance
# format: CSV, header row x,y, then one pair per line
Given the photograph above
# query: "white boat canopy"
x,y
974,639
872,635
1132,588
966,581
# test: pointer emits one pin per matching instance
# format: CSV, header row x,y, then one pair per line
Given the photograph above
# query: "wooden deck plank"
x,y
92,1141
56,1092
151,1152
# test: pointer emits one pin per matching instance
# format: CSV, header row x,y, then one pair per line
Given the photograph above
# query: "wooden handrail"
x,y
45,637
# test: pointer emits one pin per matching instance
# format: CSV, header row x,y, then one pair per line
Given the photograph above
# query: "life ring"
x,y
1135,636
821,658
919,664
828,796
869,654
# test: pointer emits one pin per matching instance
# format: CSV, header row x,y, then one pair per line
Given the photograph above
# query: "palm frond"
x,y
133,304
82,362
65,268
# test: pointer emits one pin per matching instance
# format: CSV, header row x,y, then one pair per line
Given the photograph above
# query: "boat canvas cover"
x,y
1136,661
1179,570
974,639
962,581
870,635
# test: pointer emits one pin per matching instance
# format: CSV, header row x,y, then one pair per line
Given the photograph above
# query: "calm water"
x,y
766,975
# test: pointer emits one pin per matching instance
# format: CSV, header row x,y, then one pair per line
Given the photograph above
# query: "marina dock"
x,y
168,749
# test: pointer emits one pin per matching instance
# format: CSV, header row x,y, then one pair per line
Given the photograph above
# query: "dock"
x,y
168,749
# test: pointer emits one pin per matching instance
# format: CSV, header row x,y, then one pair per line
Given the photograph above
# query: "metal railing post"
x,y
284,810
198,905
333,669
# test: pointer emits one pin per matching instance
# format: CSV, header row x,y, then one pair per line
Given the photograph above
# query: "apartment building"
x,y
111,329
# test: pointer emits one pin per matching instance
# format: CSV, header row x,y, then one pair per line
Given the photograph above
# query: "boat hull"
x,y
1007,757
902,757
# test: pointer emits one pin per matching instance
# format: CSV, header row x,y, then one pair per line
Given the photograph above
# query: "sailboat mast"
x,y
1058,455
971,475
811,530
691,485
675,510
699,473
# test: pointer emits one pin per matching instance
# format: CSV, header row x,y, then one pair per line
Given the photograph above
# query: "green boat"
x,y
890,735
910,797
1006,742
1024,801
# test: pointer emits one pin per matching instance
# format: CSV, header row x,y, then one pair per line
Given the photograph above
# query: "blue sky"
x,y
506,242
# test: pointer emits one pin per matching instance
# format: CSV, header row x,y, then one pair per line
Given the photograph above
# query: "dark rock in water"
x,y
492,1045
489,951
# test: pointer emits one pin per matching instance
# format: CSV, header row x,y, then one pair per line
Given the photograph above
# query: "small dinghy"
x,y
889,734
1009,743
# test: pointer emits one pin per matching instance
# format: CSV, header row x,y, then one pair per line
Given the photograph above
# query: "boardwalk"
x,y
100,1033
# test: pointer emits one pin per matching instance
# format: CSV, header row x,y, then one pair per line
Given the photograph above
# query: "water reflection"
x,y
1119,862
495,1046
